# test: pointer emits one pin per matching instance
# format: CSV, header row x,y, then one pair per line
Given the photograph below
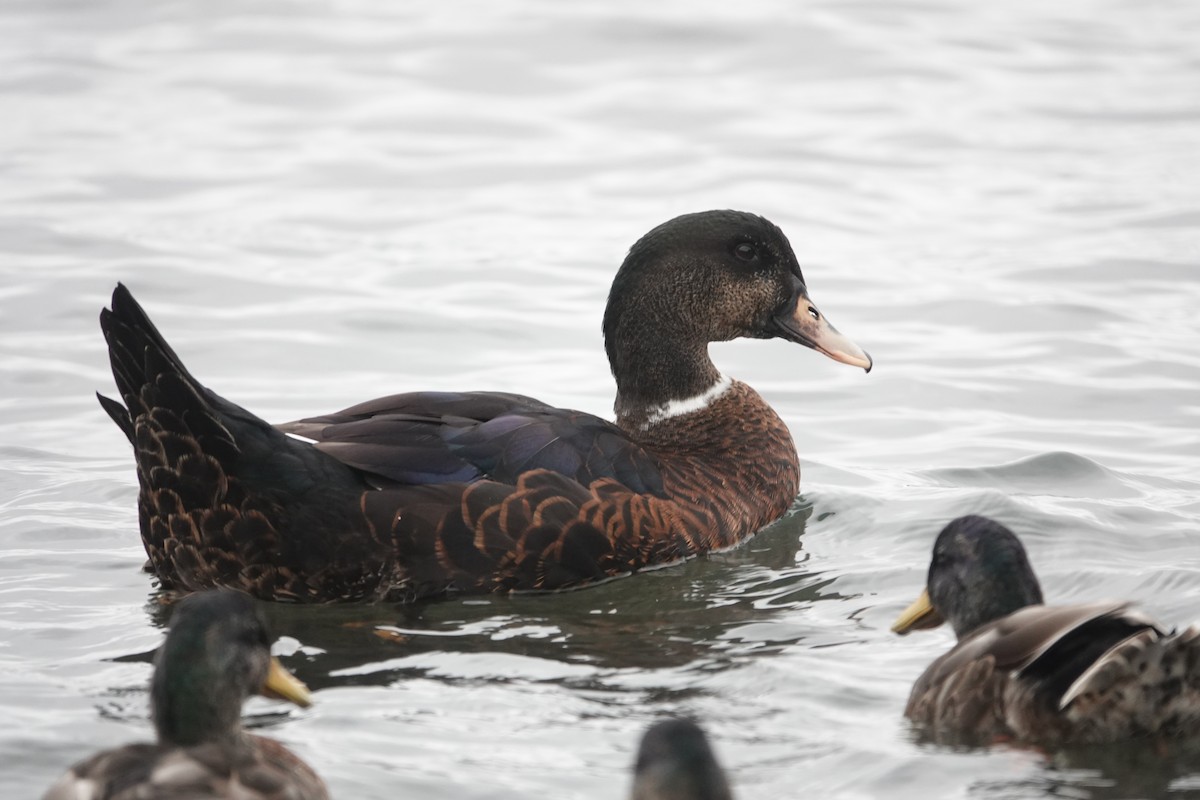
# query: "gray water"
x,y
323,202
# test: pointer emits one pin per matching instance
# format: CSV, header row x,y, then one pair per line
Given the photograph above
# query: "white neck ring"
x,y
688,405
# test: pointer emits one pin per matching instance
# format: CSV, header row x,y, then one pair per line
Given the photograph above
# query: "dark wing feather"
x,y
1017,639
1071,653
449,437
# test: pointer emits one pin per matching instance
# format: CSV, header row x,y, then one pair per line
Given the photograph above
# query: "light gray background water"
x,y
322,202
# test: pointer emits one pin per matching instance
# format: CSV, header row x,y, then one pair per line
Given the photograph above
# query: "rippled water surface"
x,y
322,202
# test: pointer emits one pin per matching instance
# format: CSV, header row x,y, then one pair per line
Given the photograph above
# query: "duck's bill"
x,y
283,685
918,616
804,324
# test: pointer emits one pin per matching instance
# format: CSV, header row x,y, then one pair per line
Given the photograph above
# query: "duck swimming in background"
x,y
428,493
216,654
1048,675
676,762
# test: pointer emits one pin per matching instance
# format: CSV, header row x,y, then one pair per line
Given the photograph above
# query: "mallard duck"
x,y
1048,675
216,654
676,762
428,493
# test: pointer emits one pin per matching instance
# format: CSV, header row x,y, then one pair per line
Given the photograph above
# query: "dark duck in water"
x,y
427,493
1048,675
216,654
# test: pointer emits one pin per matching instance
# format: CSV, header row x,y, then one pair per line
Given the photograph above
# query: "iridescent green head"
x,y
216,654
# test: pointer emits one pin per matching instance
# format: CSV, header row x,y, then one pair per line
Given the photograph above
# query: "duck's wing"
x,y
422,438
1017,640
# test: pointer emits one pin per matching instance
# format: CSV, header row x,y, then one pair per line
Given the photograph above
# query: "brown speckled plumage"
x,y
1049,675
426,493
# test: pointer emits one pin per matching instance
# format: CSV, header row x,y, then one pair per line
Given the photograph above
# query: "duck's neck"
x,y
188,710
660,376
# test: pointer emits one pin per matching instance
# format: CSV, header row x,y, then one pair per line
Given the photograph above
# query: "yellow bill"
x,y
283,685
921,614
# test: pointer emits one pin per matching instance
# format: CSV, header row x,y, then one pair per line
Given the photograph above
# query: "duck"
x,y
676,762
216,654
1043,675
426,494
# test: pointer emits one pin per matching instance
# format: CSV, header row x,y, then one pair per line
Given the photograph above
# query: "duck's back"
x,y
257,768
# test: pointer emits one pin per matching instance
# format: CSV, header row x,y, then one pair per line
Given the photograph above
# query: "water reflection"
x,y
1141,768
710,613
673,617
1138,768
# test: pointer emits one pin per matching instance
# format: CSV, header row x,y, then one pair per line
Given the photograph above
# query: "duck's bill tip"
x,y
283,685
857,358
918,616
804,324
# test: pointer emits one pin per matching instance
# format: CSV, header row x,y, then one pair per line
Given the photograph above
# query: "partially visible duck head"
x,y
700,278
979,573
216,654
675,762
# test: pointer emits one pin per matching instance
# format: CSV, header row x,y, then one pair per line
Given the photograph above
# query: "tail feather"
x,y
220,487
152,380
119,414
130,335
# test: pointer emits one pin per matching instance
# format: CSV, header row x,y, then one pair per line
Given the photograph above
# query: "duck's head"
x,y
979,573
216,654
675,762
707,277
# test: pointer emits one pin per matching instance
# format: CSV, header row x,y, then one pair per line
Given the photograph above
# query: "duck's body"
x,y
425,493
1049,675
216,654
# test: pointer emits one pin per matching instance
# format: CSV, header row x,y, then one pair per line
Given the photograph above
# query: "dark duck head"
x,y
676,762
216,654
979,573
700,278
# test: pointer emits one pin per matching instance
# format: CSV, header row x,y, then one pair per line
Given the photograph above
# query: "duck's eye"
x,y
745,251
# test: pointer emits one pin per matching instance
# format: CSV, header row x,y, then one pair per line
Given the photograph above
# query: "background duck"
x,y
1045,674
216,654
425,493
676,762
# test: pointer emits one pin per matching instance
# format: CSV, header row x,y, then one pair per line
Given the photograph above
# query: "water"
x,y
322,202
